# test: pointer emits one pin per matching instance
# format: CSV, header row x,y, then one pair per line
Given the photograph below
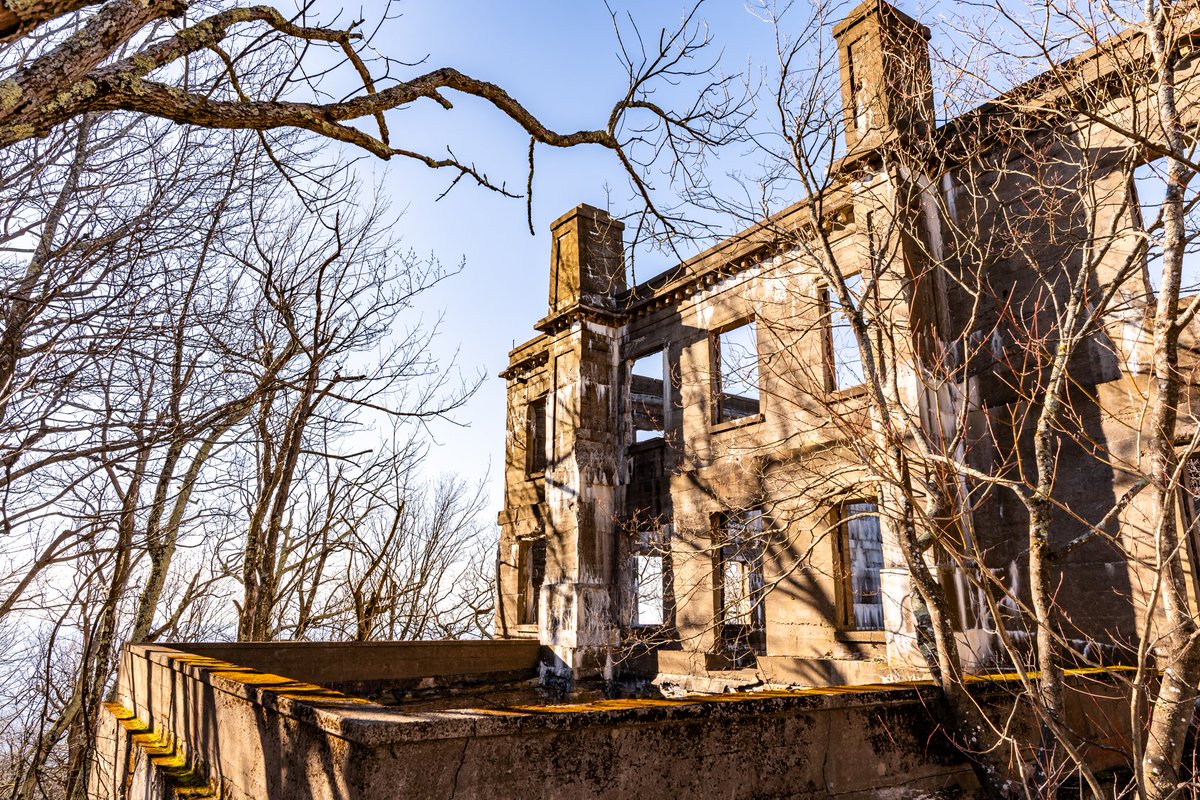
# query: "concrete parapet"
x,y
356,667
248,733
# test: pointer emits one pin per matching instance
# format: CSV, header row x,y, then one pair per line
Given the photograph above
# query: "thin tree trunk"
x,y
1174,705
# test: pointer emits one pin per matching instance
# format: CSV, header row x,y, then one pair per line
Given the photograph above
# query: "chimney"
x,y
587,260
887,87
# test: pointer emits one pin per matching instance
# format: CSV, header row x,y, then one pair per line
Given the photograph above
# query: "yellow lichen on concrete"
x,y
183,781
277,684
280,686
766,694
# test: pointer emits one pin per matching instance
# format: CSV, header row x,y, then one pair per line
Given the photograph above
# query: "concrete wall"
x,y
358,666
254,734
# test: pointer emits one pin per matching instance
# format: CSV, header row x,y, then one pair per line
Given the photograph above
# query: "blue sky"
x,y
558,59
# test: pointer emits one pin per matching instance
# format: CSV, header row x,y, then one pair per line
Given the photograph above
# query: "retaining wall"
x,y
251,733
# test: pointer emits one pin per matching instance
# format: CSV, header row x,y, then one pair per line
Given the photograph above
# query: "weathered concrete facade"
x,y
631,460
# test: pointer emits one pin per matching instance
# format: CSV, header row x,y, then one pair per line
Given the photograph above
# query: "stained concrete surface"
x,y
252,733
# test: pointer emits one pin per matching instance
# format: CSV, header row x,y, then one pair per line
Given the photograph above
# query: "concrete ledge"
x,y
329,663
697,669
820,671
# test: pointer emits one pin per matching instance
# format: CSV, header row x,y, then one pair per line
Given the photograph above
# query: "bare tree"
x,y
329,297
253,68
159,349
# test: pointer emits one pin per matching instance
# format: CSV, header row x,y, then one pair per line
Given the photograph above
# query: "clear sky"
x,y
559,59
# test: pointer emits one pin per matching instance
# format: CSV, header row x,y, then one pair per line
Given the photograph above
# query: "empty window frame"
x,y
845,366
735,378
737,607
535,436
531,571
650,576
862,556
649,396
649,598
649,595
1150,185
740,584
1189,506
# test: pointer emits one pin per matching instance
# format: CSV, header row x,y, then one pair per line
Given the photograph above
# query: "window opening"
x,y
1150,187
739,603
650,595
736,393
648,578
741,584
864,556
648,397
846,366
535,426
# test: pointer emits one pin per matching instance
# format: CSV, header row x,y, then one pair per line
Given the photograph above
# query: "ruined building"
x,y
695,498
686,488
